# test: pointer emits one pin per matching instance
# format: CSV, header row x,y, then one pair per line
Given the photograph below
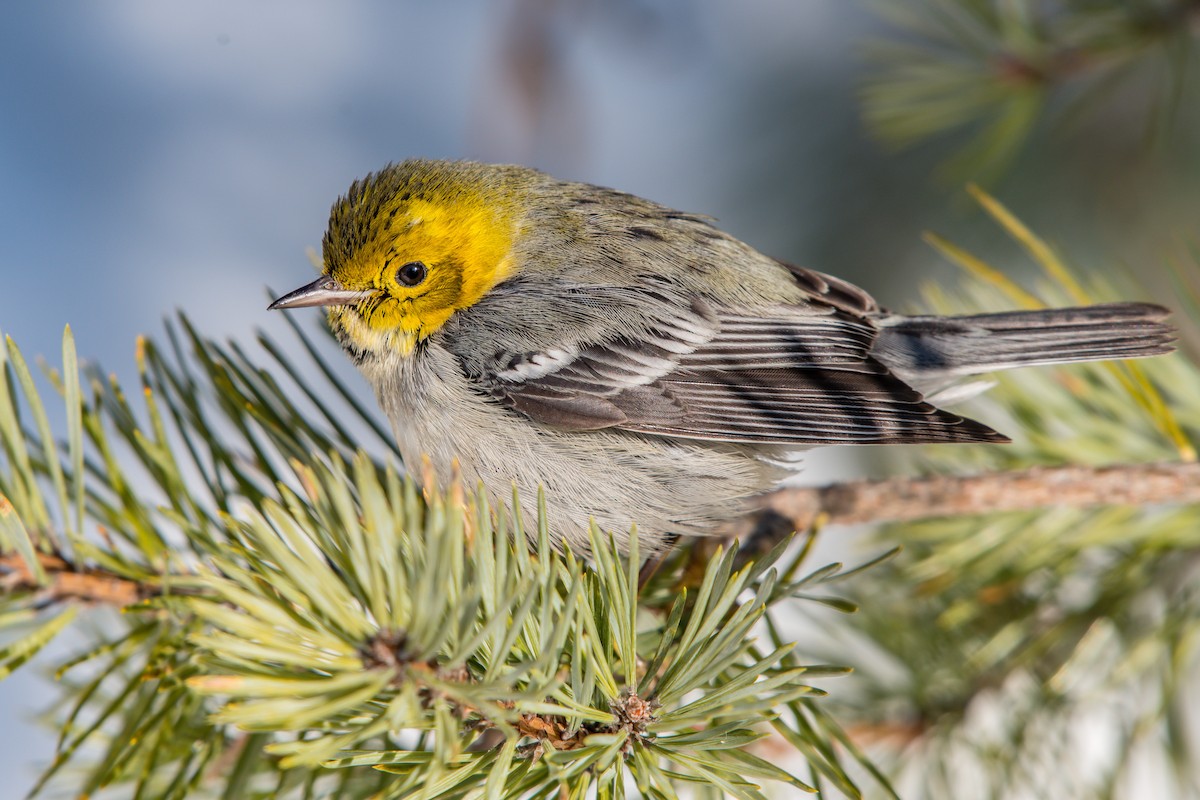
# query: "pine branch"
x,y
994,69
66,582
375,641
847,503
864,502
906,499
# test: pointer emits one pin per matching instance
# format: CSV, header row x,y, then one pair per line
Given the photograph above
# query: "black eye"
x,y
411,273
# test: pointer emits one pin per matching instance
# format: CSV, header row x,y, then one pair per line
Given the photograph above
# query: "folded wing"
x,y
793,376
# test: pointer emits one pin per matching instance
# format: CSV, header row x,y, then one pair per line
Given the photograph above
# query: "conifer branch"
x,y
994,72
69,582
317,621
906,499
901,499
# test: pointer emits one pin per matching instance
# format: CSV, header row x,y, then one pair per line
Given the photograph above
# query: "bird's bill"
x,y
324,291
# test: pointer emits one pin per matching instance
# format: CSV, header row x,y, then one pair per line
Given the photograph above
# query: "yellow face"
x,y
420,259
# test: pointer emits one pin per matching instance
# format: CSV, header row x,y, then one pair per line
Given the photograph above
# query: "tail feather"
x,y
931,348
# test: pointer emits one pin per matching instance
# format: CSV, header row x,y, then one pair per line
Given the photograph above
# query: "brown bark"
x,y
854,502
68,582
906,499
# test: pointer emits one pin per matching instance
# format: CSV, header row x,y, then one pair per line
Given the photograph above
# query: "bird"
x,y
637,363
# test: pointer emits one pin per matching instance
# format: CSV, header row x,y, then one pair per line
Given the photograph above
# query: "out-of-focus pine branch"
x,y
993,69
1047,653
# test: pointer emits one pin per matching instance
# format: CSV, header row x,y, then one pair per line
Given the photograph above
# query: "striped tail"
x,y
924,349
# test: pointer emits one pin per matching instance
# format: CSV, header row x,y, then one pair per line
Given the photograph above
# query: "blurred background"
x,y
156,157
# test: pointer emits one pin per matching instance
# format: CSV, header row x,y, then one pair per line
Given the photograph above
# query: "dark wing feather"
x,y
808,407
833,291
798,376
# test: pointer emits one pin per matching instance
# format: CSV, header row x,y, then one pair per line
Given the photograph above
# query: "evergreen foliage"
x,y
1050,653
992,71
299,620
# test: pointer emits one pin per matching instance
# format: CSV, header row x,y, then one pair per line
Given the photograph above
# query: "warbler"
x,y
637,362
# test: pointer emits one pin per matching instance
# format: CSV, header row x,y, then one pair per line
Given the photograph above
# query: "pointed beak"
x,y
324,291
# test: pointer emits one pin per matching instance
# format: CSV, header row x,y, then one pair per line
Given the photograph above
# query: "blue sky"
x,y
160,156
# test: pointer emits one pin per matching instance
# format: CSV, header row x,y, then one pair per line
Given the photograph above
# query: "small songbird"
x,y
639,363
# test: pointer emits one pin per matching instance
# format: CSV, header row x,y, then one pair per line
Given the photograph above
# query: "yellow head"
x,y
408,246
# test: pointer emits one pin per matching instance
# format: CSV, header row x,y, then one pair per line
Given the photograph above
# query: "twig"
x,y
787,510
69,582
904,499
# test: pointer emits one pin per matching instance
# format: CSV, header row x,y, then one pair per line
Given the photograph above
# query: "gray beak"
x,y
324,291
